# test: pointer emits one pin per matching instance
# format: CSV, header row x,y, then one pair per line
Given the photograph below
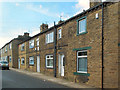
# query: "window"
x,y
31,60
59,33
82,61
22,47
5,48
22,60
82,26
49,61
37,42
10,45
6,58
31,44
9,58
49,37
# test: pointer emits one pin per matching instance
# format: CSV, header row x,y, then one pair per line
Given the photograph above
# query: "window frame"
x,y
22,49
46,59
81,57
5,48
78,26
10,59
33,60
30,42
48,38
37,44
10,46
22,60
59,33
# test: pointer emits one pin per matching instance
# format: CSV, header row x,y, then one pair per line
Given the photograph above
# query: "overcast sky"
x,y
19,17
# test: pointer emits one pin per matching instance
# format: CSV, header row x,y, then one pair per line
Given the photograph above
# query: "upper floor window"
x,y
31,44
22,60
59,33
82,61
50,37
10,46
22,47
49,61
82,26
6,49
37,42
31,60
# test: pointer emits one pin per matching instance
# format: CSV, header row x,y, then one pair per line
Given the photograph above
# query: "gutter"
x,y
102,45
55,48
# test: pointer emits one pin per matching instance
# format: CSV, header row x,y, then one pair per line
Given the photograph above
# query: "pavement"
x,y
53,79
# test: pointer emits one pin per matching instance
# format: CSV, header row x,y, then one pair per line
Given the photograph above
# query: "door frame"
x,y
18,63
37,63
60,64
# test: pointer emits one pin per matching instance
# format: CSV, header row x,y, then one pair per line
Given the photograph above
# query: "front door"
x,y
19,63
38,63
61,64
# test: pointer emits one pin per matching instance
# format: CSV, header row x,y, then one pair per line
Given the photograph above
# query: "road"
x,y
13,79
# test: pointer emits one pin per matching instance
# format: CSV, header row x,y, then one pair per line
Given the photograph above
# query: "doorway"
x,y
61,64
38,63
19,63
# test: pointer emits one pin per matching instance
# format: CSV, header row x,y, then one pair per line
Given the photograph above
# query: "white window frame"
x,y
80,57
10,46
50,37
37,43
47,61
22,59
31,58
5,48
59,33
23,45
31,44
80,27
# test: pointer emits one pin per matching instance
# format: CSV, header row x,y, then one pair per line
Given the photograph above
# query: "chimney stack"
x,y
60,21
43,27
94,3
26,34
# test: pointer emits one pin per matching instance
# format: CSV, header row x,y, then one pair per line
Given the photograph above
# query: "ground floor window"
x,y
22,60
31,60
49,61
9,58
82,61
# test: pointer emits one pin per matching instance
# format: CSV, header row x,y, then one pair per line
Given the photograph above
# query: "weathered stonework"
x,y
70,42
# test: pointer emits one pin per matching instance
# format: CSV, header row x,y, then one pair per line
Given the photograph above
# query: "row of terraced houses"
x,y
83,49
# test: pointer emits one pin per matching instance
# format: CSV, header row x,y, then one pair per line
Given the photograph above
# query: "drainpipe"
x,y
102,44
55,48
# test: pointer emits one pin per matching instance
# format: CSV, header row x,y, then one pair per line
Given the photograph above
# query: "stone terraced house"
x,y
83,49
9,51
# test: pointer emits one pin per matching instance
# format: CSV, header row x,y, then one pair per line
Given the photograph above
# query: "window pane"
x,y
59,33
51,56
82,25
31,60
49,61
47,38
82,53
82,64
